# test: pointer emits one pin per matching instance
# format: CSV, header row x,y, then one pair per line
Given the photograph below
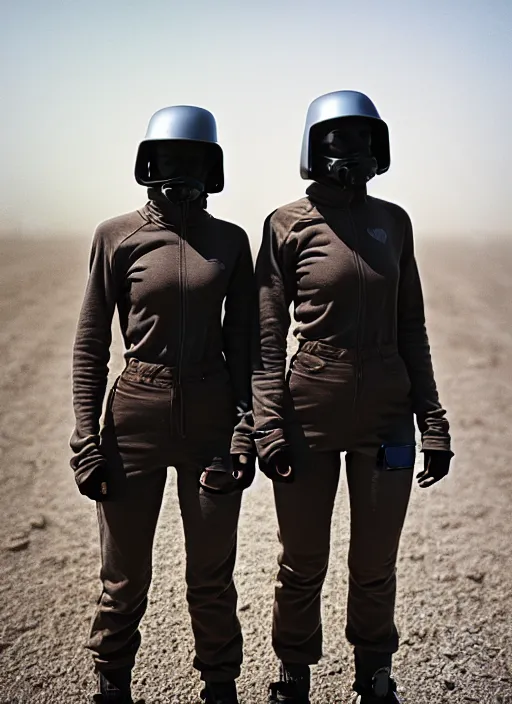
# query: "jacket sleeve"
x,y
91,354
414,348
238,333
275,281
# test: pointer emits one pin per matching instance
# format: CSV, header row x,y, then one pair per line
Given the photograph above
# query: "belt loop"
x,y
131,368
153,373
132,364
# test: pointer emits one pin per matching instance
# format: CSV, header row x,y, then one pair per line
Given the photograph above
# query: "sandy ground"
x,y
454,607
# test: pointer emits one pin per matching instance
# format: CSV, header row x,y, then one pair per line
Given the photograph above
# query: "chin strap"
x,y
182,189
352,172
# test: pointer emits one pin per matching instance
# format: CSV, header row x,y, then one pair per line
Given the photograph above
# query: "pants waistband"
x,y
165,376
327,351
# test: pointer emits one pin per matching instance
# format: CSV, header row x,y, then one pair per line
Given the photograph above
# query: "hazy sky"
x,y
80,80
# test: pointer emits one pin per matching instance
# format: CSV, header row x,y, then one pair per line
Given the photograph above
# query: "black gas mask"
x,y
182,168
342,153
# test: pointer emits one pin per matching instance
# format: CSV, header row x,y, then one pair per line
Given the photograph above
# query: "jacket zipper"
x,y
182,282
360,309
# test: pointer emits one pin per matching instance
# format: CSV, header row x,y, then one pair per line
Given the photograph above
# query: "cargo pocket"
x,y
308,363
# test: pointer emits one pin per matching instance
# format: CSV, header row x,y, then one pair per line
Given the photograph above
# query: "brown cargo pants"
x,y
141,438
330,411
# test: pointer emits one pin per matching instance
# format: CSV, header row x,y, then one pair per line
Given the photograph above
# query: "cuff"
x,y
268,442
437,443
85,465
242,442
84,449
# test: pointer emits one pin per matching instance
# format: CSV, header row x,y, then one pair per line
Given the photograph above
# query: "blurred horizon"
x,y
80,82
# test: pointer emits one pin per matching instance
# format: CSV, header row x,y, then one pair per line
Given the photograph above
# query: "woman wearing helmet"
x,y
362,370
168,268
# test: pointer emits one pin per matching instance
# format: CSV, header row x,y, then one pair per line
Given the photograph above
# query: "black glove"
x,y
436,466
91,476
244,469
279,467
227,475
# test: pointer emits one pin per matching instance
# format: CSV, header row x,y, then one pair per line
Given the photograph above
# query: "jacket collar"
x,y
161,212
333,196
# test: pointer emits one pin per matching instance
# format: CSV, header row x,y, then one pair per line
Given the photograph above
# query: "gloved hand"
x,y
91,476
436,465
223,476
244,469
279,467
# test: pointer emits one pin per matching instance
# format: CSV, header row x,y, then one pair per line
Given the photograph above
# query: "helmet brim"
x,y
215,180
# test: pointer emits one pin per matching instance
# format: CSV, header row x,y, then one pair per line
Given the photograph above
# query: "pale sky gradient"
x,y
79,81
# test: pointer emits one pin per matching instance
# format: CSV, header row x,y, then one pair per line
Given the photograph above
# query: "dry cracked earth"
x,y
454,605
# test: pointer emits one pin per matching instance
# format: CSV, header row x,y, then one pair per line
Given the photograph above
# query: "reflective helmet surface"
x,y
335,106
182,123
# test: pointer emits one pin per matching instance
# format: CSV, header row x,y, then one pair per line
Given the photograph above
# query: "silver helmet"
x,y
180,123
332,107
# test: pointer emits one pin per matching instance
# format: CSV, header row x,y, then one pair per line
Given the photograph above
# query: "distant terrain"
x,y
454,607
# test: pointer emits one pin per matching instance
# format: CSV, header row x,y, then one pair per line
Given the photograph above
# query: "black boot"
x,y
293,687
115,687
373,683
219,693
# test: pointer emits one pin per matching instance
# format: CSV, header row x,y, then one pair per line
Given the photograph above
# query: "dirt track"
x,y
454,607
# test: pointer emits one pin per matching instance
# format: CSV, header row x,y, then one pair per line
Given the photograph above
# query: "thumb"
x,y
238,471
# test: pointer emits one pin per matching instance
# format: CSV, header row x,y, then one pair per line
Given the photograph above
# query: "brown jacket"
x,y
169,287
346,262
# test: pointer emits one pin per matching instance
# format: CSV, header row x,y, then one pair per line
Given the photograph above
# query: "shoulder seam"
x,y
292,226
133,232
